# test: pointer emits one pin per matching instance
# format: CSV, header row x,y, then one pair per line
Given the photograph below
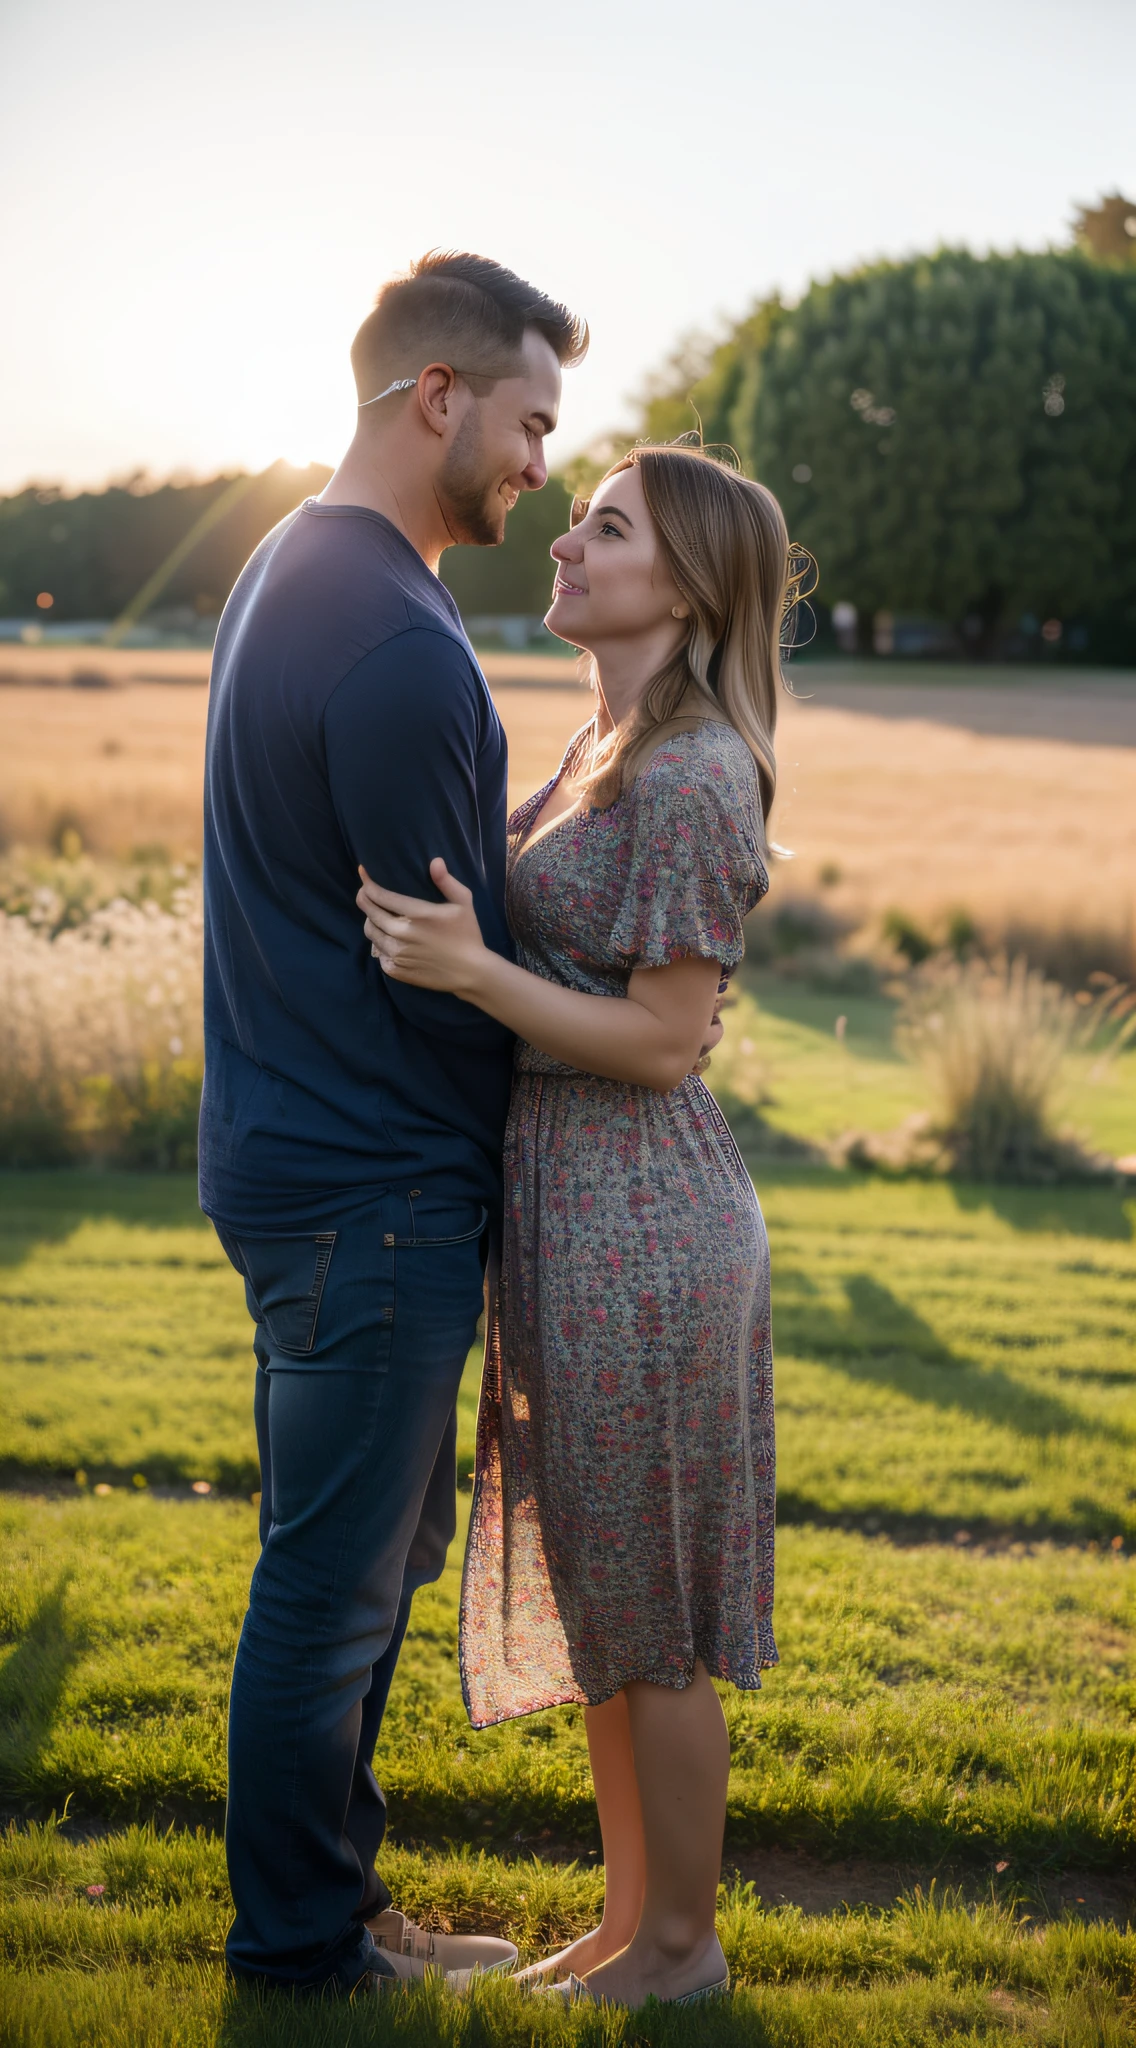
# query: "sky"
x,y
198,204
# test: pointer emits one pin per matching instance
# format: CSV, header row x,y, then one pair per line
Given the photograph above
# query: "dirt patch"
x,y
819,1886
780,1877
788,1877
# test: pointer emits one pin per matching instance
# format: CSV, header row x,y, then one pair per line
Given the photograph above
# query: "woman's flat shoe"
x,y
573,1991
719,1990
569,1991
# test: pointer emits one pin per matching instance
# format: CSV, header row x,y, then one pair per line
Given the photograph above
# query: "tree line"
x,y
954,438
92,552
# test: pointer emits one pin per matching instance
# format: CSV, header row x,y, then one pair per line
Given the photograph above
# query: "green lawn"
x,y
933,1705
125,1347
955,1616
948,1358
782,1059
142,1963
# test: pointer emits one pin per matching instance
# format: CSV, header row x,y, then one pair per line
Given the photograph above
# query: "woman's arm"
x,y
652,1038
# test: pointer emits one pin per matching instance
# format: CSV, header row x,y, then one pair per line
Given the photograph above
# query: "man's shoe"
x,y
388,1972
401,1942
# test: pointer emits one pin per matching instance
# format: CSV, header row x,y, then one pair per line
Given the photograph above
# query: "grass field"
x,y
893,806
125,764
932,1818
946,1748
788,1080
1010,1312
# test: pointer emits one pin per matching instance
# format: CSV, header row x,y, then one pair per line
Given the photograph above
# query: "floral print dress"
x,y
622,1519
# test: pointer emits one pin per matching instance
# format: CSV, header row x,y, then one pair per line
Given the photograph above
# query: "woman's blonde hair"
x,y
726,545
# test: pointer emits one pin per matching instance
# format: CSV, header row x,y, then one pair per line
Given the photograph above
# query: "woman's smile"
x,y
562,587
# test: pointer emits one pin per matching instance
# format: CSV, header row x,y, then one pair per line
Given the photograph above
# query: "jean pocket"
x,y
284,1282
433,1225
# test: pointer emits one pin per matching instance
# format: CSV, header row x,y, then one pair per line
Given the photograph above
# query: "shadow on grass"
x,y
1088,1522
882,1342
763,1148
870,1019
498,2014
48,1207
33,1678
1074,1210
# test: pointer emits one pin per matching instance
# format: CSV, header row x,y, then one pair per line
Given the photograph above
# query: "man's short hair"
x,y
462,310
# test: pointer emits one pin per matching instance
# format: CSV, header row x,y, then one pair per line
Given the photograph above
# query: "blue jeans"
x,y
362,1334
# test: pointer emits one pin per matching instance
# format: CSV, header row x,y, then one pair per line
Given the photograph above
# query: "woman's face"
x,y
612,580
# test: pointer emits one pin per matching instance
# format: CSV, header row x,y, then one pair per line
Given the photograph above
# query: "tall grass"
x,y
992,1038
138,1963
101,1047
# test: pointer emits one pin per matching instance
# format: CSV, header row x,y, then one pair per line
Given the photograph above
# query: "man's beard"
x,y
473,509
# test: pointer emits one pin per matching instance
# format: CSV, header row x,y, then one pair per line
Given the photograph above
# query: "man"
x,y
351,1126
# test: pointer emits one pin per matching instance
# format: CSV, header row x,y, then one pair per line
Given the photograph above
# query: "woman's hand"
x,y
651,1039
432,945
714,1036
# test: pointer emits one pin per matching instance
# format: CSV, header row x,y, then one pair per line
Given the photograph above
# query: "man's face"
x,y
498,449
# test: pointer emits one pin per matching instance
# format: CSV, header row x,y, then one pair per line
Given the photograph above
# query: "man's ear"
x,y
436,387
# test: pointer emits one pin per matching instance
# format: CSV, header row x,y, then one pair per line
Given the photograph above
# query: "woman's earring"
x,y
678,611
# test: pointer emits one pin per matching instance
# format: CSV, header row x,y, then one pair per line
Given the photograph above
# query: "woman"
x,y
621,1544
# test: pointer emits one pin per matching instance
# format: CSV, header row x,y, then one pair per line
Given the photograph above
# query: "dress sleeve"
x,y
695,871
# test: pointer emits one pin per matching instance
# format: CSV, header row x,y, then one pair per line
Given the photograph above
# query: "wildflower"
x,y
95,1014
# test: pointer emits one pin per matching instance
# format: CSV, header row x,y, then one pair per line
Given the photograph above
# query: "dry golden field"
x,y
124,765
907,809
932,816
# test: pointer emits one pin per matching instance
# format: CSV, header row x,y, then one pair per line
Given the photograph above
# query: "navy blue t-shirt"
x,y
348,722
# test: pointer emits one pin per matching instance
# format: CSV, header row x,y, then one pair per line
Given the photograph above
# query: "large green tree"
x,y
953,436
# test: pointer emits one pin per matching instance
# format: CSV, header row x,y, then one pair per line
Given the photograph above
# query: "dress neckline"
x,y
533,805
528,811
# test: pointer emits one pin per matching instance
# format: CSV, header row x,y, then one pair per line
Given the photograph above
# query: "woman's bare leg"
x,y
682,1764
621,1827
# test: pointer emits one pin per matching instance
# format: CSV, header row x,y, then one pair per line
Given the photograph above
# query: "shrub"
x,y
1074,951
803,938
962,933
908,937
1069,951
992,1038
101,1055
786,925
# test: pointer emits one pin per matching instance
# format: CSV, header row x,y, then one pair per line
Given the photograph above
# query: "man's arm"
x,y
401,734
